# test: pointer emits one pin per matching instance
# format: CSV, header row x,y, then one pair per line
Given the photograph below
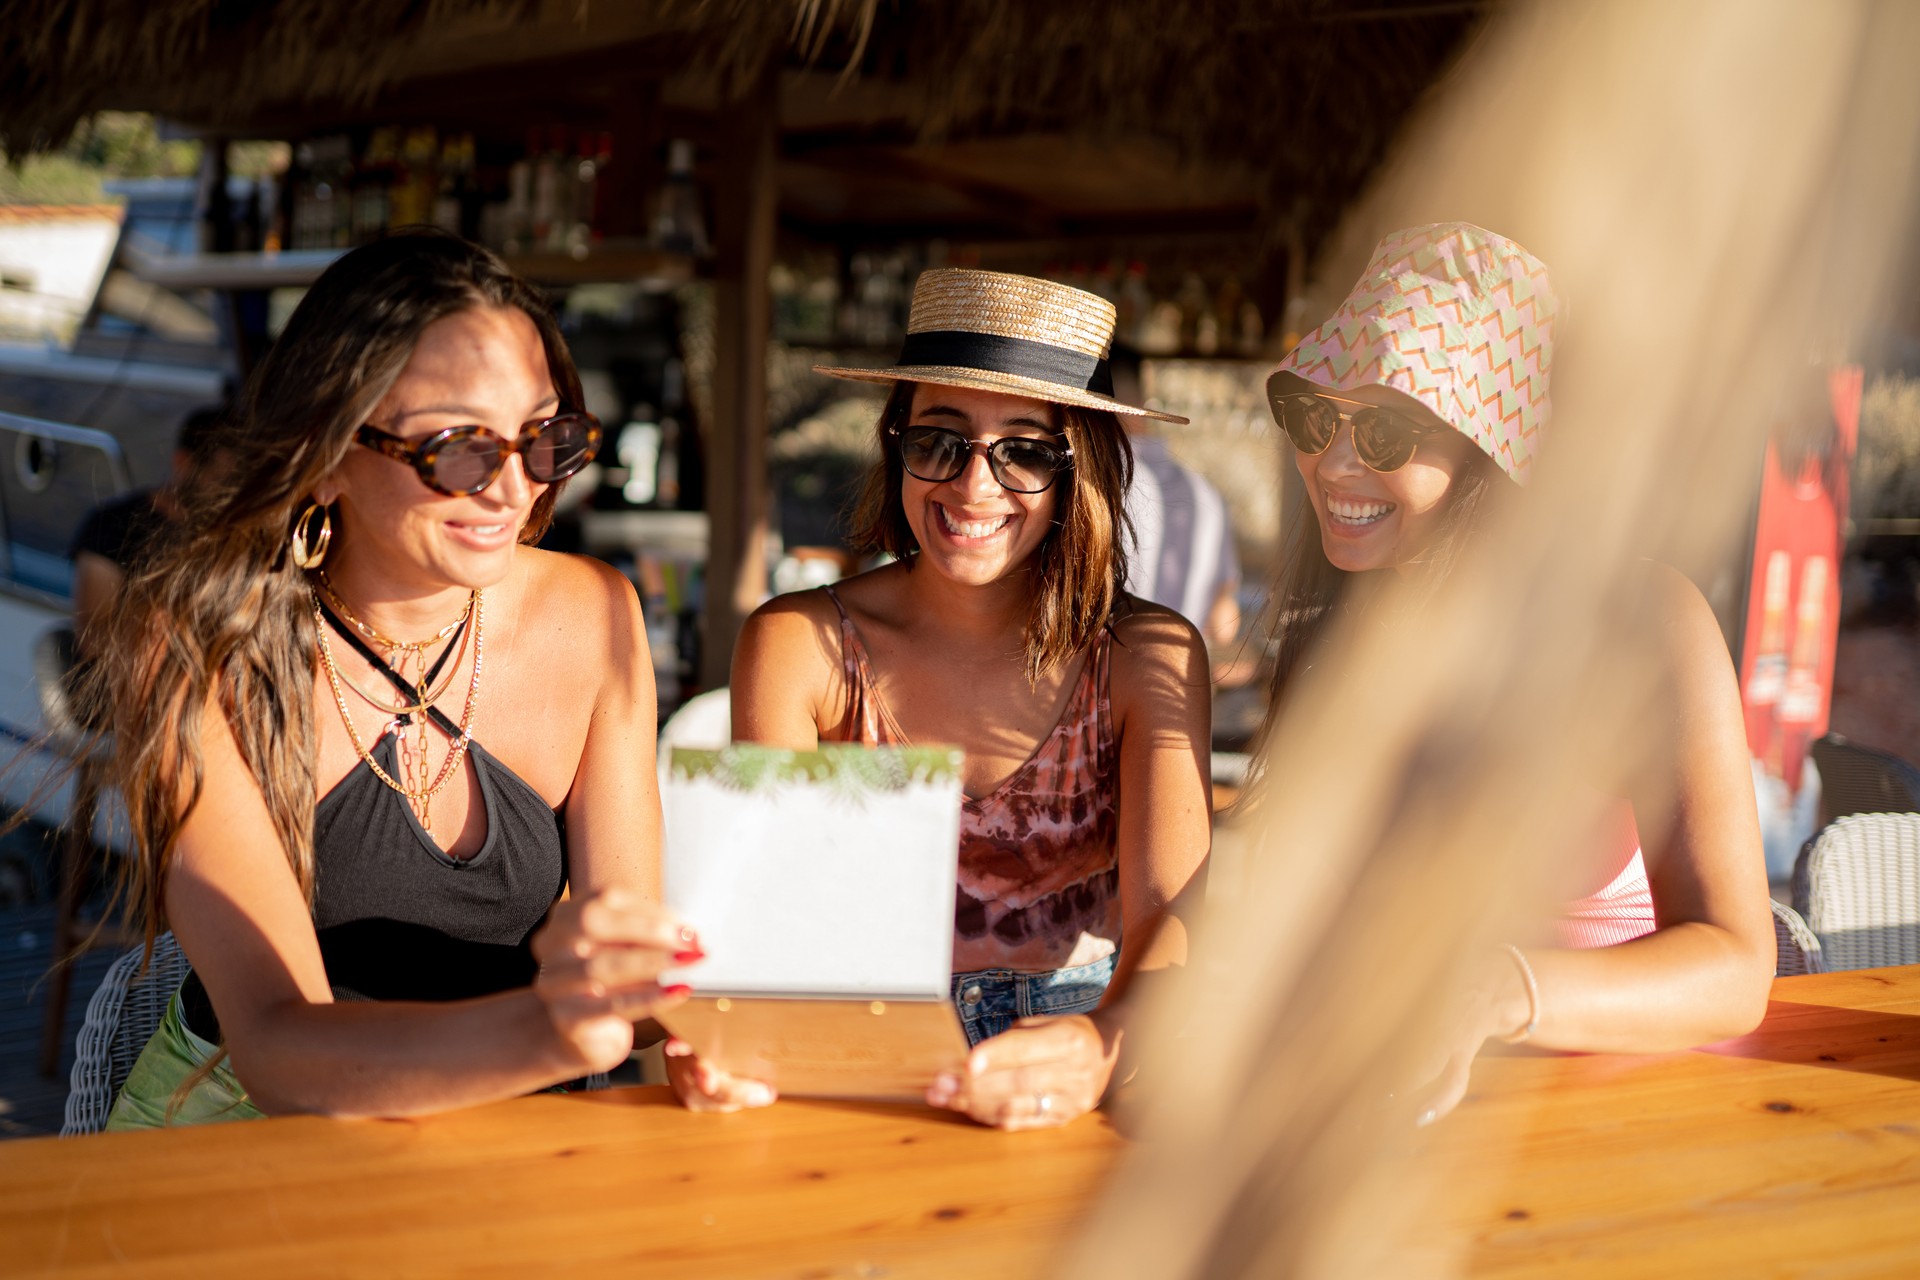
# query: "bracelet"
x,y
1533,996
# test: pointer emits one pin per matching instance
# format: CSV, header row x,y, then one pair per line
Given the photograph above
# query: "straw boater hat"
x,y
1458,318
997,332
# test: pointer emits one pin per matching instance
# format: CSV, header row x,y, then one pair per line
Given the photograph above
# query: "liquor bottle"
x,y
519,214
679,225
596,214
1253,328
372,185
638,450
447,212
413,184
583,182
666,482
1192,301
1226,316
1134,304
545,211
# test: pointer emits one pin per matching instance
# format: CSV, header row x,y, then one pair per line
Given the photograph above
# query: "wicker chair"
x,y
1799,949
1857,883
122,1016
55,659
1856,779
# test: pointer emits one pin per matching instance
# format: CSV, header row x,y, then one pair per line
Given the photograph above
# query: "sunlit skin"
x,y
947,517
1347,494
566,702
484,366
1702,974
945,631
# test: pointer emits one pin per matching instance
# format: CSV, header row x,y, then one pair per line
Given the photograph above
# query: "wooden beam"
x,y
746,198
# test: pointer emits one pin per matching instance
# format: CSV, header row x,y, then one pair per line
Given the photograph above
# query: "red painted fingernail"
x,y
688,957
677,989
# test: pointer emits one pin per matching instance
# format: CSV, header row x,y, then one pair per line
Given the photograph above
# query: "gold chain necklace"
x,y
421,794
415,650
418,707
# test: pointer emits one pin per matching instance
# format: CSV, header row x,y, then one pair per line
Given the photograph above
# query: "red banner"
x,y
1793,599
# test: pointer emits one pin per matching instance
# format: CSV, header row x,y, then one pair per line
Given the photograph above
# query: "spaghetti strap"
x,y
865,717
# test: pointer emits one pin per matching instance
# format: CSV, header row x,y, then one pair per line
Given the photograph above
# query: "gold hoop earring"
x,y
307,550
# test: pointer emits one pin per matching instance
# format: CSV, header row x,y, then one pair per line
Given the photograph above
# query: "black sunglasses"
x,y
1382,439
939,454
461,461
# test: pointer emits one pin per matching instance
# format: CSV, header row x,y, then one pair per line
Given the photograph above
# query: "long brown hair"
x,y
219,617
1079,571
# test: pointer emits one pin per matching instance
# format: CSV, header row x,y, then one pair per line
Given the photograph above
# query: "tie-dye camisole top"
x,y
1039,881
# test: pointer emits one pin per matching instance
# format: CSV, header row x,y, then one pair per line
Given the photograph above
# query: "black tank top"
x,y
400,920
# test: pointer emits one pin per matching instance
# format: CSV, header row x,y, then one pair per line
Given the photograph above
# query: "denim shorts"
x,y
991,1000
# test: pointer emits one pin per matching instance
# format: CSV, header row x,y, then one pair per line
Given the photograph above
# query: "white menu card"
x,y
826,873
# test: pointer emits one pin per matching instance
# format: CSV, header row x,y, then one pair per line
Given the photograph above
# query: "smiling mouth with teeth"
x,y
1354,515
970,528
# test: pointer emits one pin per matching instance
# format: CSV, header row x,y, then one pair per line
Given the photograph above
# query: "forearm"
x,y
1678,987
1155,951
356,1059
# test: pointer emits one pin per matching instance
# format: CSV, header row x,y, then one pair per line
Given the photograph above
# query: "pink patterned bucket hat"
x,y
1456,317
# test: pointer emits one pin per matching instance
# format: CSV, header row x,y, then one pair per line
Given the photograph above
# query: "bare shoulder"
x,y
1147,632
792,639
788,627
590,596
1157,655
1679,618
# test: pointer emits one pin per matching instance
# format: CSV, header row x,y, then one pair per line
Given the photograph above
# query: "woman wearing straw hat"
x,y
1413,411
1003,627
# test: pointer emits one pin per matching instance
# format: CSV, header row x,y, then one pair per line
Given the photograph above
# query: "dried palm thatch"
x,y
1425,793
1310,91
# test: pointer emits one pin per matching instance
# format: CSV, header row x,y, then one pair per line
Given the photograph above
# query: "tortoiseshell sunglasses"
x,y
461,461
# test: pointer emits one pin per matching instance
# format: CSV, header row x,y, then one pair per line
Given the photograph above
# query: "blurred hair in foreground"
x,y
1724,192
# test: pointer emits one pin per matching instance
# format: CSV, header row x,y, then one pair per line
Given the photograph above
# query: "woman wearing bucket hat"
x,y
1418,405
1003,627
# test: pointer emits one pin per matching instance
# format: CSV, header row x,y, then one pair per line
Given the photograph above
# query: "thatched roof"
x,y
1306,93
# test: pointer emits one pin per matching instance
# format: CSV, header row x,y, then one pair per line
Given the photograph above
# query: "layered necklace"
x,y
416,782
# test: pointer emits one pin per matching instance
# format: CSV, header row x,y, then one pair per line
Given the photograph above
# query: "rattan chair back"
x,y
1857,779
122,1016
1798,948
1857,884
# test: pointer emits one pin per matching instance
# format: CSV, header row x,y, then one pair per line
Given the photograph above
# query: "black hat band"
x,y
1021,357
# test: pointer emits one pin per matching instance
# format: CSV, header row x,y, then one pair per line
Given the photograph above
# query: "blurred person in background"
x,y
1004,627
1414,412
372,899
1184,556
120,533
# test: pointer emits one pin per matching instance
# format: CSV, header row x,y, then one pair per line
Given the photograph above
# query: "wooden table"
x,y
1763,1156
619,1183
1792,1151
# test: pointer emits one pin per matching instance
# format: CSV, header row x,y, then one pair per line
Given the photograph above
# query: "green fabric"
x,y
170,1057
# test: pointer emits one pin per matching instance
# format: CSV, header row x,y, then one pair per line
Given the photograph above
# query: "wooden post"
x,y
745,201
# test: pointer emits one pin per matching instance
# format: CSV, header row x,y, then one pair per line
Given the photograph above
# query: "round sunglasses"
x,y
462,461
1382,439
939,454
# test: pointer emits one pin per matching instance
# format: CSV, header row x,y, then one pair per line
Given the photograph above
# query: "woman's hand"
x,y
600,962
1042,1072
701,1086
1494,1005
